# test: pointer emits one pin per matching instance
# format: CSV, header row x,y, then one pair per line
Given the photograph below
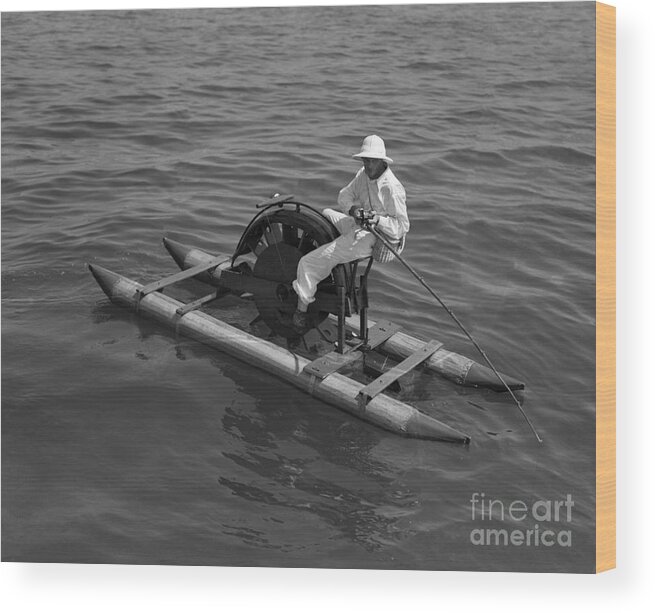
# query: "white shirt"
x,y
384,195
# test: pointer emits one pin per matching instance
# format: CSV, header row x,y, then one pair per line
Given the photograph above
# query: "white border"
x,y
72,588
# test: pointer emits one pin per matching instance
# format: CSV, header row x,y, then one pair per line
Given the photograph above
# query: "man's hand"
x,y
365,218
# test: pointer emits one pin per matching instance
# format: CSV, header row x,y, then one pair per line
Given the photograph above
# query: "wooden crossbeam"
x,y
196,304
385,380
180,276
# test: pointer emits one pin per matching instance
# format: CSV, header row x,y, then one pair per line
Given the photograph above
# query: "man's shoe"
x,y
299,322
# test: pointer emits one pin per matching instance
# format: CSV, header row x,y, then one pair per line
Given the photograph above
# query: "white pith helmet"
x,y
373,147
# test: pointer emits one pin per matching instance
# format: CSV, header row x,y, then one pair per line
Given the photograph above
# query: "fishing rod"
x,y
459,323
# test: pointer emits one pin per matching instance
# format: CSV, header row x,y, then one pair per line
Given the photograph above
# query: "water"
x,y
122,443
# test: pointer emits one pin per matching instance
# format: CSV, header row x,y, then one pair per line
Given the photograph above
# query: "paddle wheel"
x,y
269,251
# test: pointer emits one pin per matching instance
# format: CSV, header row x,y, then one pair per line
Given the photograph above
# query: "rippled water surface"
x,y
122,442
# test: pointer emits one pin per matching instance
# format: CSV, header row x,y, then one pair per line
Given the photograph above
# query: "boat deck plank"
x,y
181,276
386,379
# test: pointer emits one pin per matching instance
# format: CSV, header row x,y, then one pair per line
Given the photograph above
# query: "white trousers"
x,y
353,244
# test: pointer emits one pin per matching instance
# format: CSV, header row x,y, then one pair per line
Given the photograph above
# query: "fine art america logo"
x,y
548,522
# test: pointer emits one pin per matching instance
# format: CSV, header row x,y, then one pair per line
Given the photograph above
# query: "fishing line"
x,y
459,323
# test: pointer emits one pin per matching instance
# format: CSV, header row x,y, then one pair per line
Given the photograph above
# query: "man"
x,y
374,188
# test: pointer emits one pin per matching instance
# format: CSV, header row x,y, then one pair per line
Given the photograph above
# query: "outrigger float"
x,y
261,269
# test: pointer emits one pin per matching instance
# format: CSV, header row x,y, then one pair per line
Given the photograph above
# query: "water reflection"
x,y
322,464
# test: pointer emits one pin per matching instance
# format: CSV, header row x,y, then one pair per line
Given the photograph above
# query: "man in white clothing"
x,y
374,188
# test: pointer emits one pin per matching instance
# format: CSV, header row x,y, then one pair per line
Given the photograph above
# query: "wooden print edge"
x,y
605,287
